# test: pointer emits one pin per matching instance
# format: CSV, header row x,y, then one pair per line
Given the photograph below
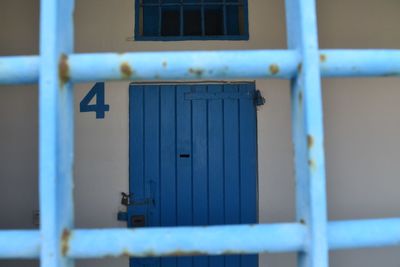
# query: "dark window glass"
x,y
192,21
170,23
213,20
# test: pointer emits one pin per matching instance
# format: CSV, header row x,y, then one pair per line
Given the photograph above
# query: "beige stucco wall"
x,y
362,122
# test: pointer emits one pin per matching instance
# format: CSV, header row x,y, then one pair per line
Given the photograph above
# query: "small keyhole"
x,y
184,156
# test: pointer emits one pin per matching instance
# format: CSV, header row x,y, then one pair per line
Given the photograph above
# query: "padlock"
x,y
125,199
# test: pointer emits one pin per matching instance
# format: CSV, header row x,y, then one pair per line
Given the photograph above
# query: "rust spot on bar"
x,y
322,58
65,237
125,253
126,70
302,221
63,70
165,64
230,252
312,165
310,141
179,253
274,69
197,72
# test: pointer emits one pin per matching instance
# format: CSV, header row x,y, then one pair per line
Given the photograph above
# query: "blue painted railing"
x,y
57,68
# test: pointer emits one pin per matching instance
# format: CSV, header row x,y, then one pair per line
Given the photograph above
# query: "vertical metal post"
x,y
55,132
307,127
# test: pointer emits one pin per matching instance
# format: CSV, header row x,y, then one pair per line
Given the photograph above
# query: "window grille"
x,y
58,243
174,20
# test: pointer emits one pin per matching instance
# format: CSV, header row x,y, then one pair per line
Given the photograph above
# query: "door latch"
x,y
125,199
129,200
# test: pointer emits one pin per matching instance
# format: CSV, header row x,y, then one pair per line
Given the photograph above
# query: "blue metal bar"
x,y
19,244
364,233
19,69
360,63
271,237
307,132
55,132
212,240
183,65
333,63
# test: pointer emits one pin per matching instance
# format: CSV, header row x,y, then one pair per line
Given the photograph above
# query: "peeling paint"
x,y
65,237
274,69
126,70
197,72
302,221
63,70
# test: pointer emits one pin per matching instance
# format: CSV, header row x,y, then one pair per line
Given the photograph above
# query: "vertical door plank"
x,y
184,164
152,158
136,148
248,165
231,166
168,162
136,156
216,171
200,166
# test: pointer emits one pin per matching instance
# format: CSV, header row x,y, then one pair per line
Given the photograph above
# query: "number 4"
x,y
100,107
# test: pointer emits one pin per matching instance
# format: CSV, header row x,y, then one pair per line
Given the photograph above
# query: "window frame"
x,y
242,37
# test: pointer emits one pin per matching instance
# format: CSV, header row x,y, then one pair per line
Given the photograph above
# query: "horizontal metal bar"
x,y
202,65
364,233
360,63
213,240
19,69
19,244
184,65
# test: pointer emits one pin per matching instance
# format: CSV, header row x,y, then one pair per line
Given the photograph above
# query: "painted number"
x,y
100,107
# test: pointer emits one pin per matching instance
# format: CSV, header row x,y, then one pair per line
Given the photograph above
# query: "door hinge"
x,y
259,100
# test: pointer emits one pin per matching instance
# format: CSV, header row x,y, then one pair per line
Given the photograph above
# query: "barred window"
x,y
191,20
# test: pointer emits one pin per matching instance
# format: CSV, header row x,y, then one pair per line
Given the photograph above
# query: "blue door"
x,y
193,161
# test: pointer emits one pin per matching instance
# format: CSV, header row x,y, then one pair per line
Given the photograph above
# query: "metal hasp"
x,y
307,132
130,200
